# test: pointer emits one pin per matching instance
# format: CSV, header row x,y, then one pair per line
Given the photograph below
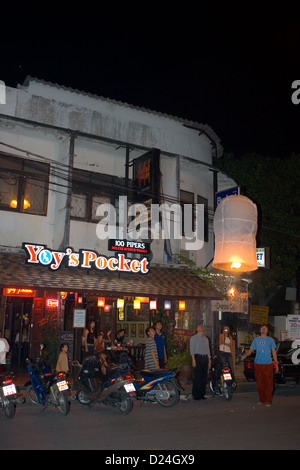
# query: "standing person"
x,y
63,359
89,337
151,356
4,348
200,352
265,348
227,349
160,339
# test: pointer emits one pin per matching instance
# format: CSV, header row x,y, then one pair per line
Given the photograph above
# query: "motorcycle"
x,y
97,382
221,381
47,388
9,397
157,386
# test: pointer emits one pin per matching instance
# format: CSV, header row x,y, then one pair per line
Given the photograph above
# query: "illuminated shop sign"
x,y
86,259
13,292
129,246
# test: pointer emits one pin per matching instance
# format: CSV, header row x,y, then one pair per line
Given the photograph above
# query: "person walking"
x,y
227,350
201,360
151,356
265,348
160,339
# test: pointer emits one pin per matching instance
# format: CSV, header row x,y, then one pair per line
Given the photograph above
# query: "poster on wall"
x,y
79,318
293,326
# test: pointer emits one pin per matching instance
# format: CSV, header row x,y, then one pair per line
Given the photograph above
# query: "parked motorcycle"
x,y
220,381
47,388
9,397
97,382
157,386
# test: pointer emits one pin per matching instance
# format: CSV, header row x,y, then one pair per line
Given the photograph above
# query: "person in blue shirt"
x,y
160,339
265,348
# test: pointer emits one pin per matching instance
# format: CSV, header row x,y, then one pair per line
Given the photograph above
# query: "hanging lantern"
x,y
120,303
235,226
136,304
153,305
101,301
167,304
181,305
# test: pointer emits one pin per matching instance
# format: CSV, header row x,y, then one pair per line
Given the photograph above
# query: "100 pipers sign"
x,y
86,259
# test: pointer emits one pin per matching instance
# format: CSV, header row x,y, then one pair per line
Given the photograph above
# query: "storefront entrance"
x,y
16,328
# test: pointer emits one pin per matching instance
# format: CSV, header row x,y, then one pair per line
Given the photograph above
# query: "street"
x,y
213,424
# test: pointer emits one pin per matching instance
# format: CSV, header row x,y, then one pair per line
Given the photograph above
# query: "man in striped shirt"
x,y
151,356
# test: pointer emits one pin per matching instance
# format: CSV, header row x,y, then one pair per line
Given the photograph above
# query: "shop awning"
x,y
173,282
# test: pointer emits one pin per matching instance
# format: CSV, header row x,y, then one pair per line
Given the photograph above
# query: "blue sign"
x,y
228,192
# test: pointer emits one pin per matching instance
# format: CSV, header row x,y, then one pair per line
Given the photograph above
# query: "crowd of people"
x,y
156,355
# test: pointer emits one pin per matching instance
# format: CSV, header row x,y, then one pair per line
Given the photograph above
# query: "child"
x,y
63,360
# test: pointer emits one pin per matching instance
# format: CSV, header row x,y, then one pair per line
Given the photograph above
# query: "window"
x,y
90,189
23,185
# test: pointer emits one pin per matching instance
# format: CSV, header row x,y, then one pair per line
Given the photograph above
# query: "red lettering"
x,y
123,263
88,257
144,264
135,266
58,257
33,251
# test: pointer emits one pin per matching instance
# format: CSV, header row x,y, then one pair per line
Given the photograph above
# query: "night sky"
x,y
230,67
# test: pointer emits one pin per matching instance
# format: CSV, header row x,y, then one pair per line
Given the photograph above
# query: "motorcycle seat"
x,y
156,372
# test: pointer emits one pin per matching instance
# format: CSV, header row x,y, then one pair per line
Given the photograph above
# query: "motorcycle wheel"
x,y
31,396
9,408
124,403
82,398
171,389
64,405
227,392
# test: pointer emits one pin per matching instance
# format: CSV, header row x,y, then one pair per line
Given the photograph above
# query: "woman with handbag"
x,y
227,349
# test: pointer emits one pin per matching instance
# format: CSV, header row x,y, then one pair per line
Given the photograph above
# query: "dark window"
x,y
23,185
90,189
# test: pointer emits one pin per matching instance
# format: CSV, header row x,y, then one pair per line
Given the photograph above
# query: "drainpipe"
x,y
66,236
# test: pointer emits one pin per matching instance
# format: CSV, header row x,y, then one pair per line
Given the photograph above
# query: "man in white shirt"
x,y
200,352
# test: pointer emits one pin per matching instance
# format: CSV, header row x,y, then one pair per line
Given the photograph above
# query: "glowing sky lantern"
x,y
235,227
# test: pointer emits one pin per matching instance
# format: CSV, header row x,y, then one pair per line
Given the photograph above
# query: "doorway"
x,y
17,328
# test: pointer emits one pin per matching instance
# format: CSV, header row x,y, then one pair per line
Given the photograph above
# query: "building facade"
x,y
101,200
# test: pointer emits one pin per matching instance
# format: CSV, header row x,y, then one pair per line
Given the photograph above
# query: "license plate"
x,y
63,385
227,376
9,390
129,388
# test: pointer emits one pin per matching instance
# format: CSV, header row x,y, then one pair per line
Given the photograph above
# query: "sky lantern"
x,y
235,227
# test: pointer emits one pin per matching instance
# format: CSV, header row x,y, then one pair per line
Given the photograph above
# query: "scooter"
x,y
157,386
221,381
9,397
47,388
96,382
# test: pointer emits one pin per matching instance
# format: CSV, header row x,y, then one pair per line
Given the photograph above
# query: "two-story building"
x,y
99,201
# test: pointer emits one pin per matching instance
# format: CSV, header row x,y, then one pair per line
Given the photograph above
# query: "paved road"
x,y
211,424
